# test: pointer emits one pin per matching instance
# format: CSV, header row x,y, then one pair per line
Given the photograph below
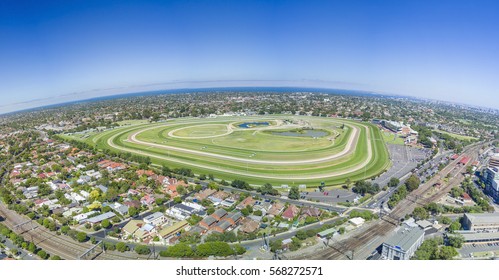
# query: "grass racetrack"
x,y
277,149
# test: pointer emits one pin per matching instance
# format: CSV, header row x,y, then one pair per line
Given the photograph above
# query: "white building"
x,y
403,244
155,219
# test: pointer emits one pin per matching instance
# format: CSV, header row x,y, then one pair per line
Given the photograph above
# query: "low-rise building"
x,y
156,219
403,244
275,209
100,218
483,222
172,230
290,212
248,201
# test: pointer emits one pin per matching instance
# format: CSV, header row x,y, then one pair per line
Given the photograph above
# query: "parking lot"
x,y
404,159
468,249
331,196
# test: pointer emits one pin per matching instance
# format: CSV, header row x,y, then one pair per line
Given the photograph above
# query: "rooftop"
x,y
173,228
101,217
471,236
483,218
154,216
405,238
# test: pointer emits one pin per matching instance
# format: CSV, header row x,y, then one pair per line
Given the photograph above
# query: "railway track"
x,y
60,245
379,229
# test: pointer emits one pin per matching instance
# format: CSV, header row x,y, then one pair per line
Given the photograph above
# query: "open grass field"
x,y
277,149
457,136
392,138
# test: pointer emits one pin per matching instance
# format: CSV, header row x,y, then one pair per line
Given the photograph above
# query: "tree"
x,y
239,184
32,247
142,250
268,189
393,182
294,193
302,235
132,211
420,213
178,251
42,254
216,248
105,223
275,245
181,190
65,229
446,220
447,253
121,247
81,237
412,183
238,249
348,182
454,226
455,241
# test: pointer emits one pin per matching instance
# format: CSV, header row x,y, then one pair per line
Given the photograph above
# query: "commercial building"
x,y
478,237
491,178
403,244
484,222
494,161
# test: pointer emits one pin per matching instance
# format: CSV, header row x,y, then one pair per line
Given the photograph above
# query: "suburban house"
x,y
310,212
249,201
202,195
100,218
156,219
290,212
172,230
276,209
230,220
147,200
183,211
249,225
207,222
219,214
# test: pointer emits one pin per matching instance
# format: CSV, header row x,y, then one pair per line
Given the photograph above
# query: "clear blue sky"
x,y
53,51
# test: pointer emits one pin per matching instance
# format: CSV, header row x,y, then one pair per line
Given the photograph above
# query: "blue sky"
x,y
56,51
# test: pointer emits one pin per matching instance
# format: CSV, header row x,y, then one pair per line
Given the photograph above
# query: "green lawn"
x,y
392,138
457,136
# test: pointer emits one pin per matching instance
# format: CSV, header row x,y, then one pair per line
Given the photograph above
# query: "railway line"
x,y
60,245
379,229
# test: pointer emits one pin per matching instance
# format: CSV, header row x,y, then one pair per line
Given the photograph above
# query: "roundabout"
x,y
277,149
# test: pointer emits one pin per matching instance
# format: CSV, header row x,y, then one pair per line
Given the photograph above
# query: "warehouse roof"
x,y
483,218
479,236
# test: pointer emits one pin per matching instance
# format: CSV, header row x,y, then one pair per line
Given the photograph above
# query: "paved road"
x,y
291,201
257,243
23,254
384,197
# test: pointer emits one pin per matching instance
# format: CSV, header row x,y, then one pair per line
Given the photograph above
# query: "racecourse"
x,y
277,149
